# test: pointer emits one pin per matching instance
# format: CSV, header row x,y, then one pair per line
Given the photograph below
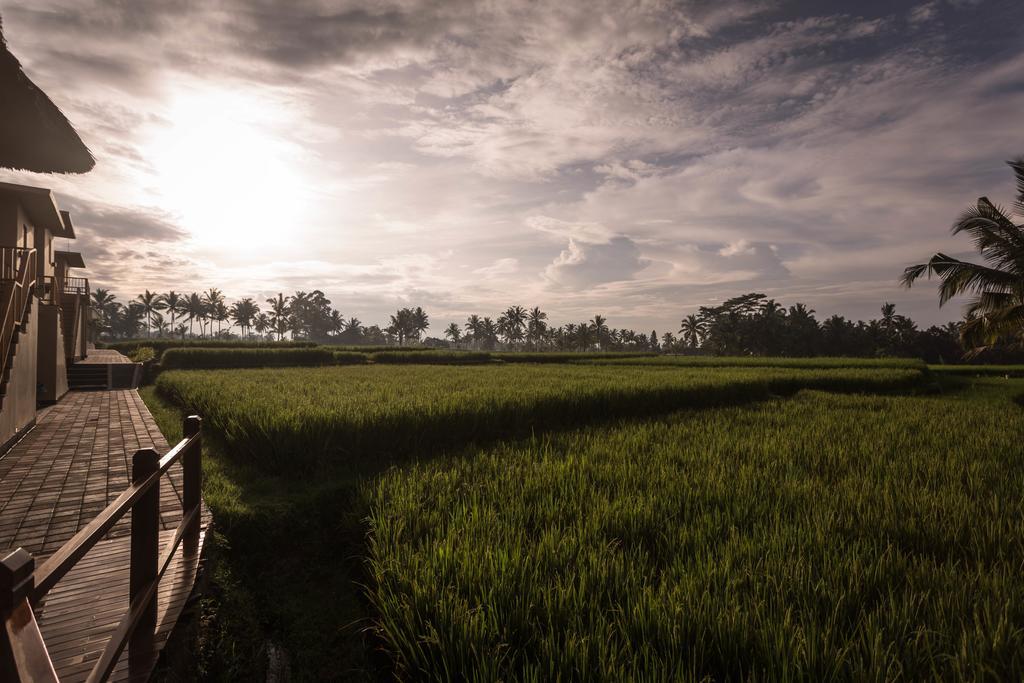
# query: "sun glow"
x,y
225,166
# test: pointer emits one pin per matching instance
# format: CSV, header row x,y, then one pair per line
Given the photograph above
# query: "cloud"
x,y
587,264
631,158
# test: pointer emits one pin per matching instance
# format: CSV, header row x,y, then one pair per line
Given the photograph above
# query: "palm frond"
x,y
1018,171
993,233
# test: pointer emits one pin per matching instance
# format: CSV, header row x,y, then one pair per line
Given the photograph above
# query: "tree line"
x,y
750,324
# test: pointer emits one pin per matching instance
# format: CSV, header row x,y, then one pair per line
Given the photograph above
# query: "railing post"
x,y
145,550
16,579
23,655
192,475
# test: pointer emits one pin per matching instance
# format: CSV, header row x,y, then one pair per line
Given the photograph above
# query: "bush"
x,y
432,357
142,354
201,358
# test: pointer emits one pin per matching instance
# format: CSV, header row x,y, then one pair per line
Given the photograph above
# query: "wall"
x,y
19,406
52,374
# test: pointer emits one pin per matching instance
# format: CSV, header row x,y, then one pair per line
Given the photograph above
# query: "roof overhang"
x,y
35,136
69,229
71,259
39,204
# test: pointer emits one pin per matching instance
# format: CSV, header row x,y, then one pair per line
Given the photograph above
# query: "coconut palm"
x,y
242,313
195,309
261,323
600,327
151,303
453,332
173,303
536,325
474,328
692,330
280,315
996,311
419,321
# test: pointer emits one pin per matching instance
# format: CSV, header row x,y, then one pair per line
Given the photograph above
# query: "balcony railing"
x,y
11,259
76,285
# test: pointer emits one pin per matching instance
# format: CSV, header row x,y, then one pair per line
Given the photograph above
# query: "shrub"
x,y
142,354
197,358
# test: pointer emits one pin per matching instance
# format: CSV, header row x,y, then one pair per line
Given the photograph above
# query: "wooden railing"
x,y
76,285
18,271
23,653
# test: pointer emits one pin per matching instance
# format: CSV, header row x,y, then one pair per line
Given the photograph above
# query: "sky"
x,y
633,159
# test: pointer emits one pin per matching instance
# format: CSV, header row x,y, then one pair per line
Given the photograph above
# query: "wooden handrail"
x,y
22,585
21,263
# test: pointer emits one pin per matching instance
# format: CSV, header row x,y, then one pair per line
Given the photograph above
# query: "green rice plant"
x,y
430,357
348,357
161,345
760,362
979,370
823,537
301,420
567,356
244,357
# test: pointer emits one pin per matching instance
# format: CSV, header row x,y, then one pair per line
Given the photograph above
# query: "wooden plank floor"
x,y
58,478
103,357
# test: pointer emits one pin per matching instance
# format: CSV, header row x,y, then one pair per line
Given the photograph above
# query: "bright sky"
x,y
634,159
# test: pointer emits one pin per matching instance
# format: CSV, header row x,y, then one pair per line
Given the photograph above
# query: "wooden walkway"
x,y
52,483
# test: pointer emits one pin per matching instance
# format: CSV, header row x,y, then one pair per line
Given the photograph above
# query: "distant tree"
x,y
536,326
453,332
151,303
279,315
691,331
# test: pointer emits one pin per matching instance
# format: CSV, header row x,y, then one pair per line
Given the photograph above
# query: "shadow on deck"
x,y
53,482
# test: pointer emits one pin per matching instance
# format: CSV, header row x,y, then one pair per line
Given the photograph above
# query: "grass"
x,y
430,357
823,363
303,420
824,537
530,522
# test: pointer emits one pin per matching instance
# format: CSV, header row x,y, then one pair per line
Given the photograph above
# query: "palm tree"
x,y
280,314
242,313
420,321
536,325
261,323
453,332
151,303
173,301
586,333
195,309
996,311
103,302
692,330
474,328
600,328
335,323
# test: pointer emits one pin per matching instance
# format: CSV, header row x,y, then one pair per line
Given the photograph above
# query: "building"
x,y
43,308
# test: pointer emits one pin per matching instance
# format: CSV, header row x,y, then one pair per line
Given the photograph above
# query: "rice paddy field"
x,y
606,521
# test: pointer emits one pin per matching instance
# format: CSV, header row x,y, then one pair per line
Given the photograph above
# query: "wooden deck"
x,y
104,357
52,483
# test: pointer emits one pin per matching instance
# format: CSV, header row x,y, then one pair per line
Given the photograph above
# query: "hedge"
x,y
431,358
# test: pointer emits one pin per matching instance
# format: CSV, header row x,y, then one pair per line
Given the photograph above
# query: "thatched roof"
x,y
34,135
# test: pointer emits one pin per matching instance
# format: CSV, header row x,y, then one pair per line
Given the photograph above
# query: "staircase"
x,y
18,273
87,377
12,351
